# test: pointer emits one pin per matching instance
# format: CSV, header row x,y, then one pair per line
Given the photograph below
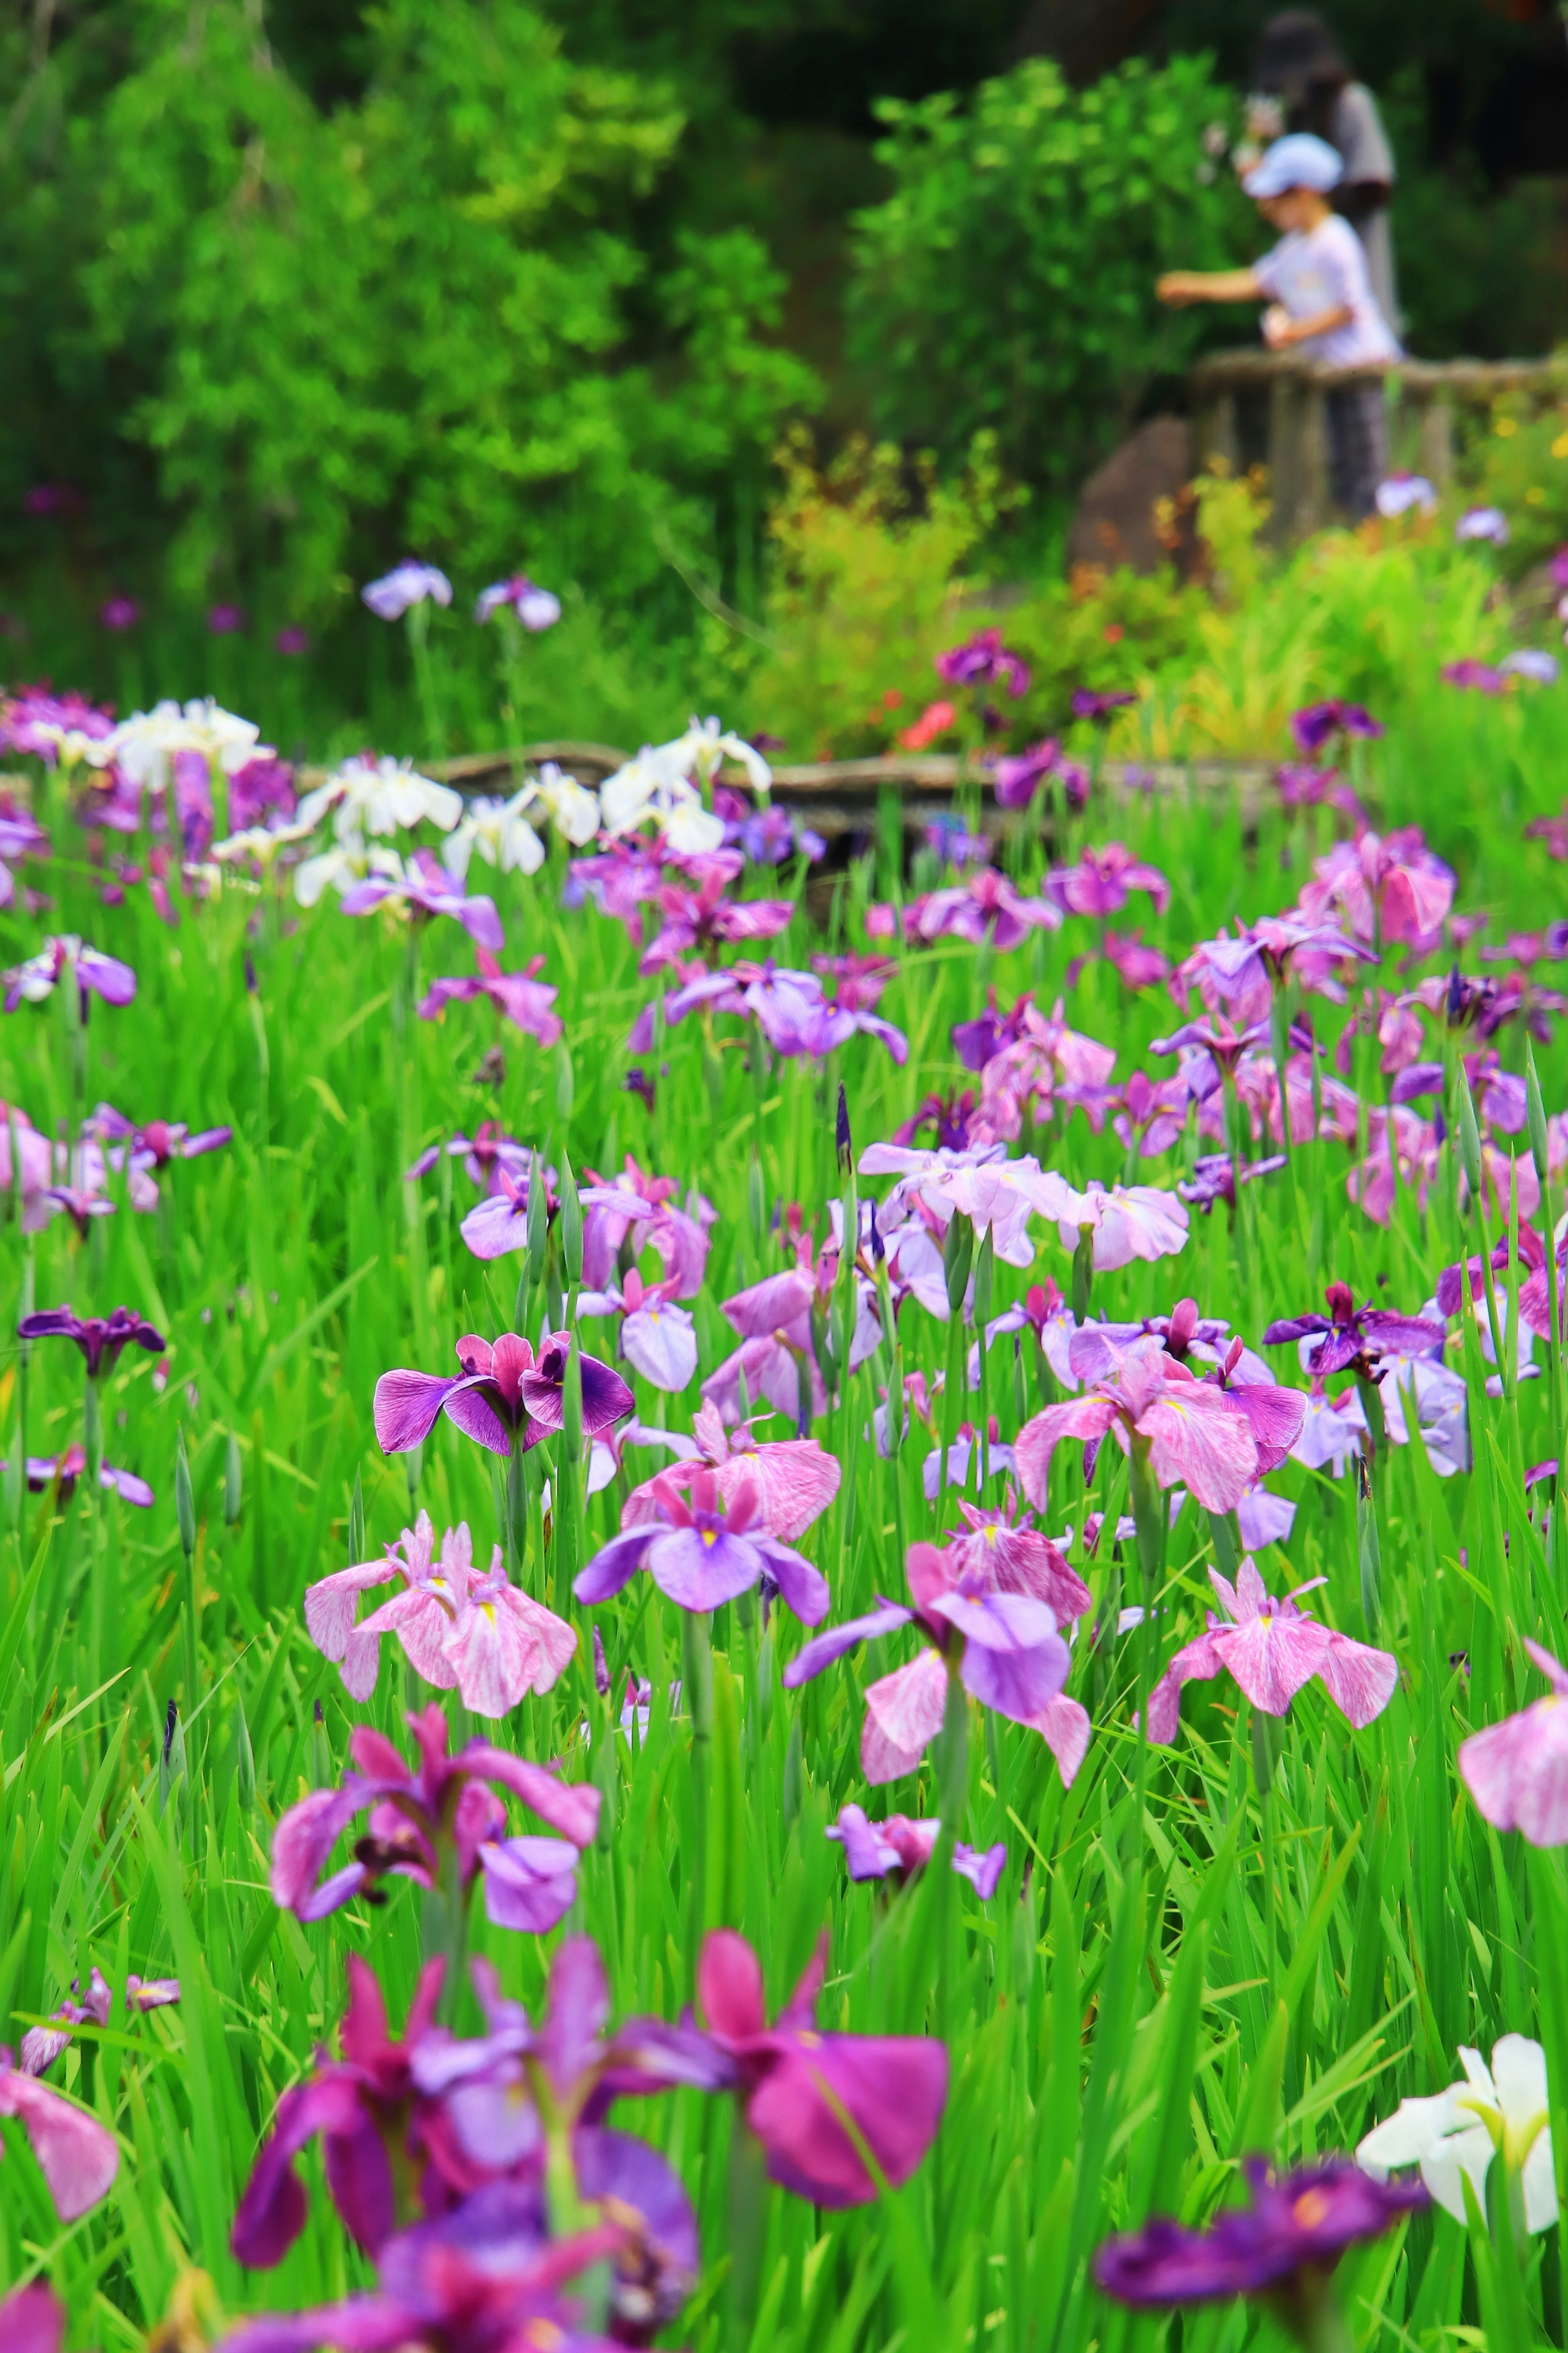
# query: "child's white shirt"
x,y
1324,268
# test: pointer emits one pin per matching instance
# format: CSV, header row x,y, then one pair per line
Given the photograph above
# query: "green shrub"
x,y
1007,282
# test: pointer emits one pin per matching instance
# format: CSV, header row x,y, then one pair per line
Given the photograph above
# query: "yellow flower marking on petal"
x,y
1311,2209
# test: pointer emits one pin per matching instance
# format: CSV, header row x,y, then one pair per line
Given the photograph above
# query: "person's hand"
x,y
1279,332
1177,287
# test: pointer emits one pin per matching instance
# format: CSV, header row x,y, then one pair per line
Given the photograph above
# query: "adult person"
x,y
1319,301
1300,63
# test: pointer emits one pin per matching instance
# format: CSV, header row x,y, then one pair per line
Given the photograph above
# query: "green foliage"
x,y
406,322
1007,282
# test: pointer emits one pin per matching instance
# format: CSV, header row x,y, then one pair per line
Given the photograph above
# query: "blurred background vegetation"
x,y
726,322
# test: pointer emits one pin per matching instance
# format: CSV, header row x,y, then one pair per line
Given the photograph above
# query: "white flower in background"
x,y
706,746
665,779
144,745
379,796
1457,2134
499,831
408,584
258,844
573,809
346,862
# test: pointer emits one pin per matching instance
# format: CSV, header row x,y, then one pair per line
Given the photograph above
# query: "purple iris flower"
x,y
33,719
1293,2234
696,920
520,996
101,1338
1016,775
535,608
118,613
483,2278
426,891
45,1470
873,1849
788,1008
42,2045
984,661
503,1394
438,1816
1088,705
499,1223
800,2086
31,982
1313,726
408,584
766,837
1352,1336
291,642
1213,1178
702,1550
228,620
1484,677
262,784
1101,882
1004,1647
985,904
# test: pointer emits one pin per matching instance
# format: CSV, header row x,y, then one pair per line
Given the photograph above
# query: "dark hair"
x,y
1299,60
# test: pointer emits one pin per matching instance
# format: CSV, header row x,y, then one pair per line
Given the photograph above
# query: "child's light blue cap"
x,y
1298,161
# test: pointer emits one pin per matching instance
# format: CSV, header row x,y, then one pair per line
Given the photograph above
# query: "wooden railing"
x,y
1428,400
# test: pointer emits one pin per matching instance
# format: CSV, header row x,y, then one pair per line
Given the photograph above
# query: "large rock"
x,y
1115,521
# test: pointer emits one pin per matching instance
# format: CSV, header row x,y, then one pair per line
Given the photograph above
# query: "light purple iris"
x,y
873,1849
45,1470
409,584
1483,523
1004,1647
426,891
789,1008
658,1339
702,1550
157,1142
499,1223
680,1234
441,1815
535,608
503,1395
31,982
1532,662
101,1338
1273,1649
522,997
697,919
1516,1771
1101,882
42,2045
984,906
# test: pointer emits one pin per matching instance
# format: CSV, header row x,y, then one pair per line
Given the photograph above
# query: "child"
x,y
1321,303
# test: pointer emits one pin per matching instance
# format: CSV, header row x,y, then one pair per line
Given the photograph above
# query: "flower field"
x,y
764,1601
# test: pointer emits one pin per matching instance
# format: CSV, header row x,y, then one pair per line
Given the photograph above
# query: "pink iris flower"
x,y
695,920
984,906
1387,886
796,1481
704,1549
803,2089
651,1217
1516,1771
1273,1649
425,889
42,2045
1126,1221
460,1631
32,2319
1195,1435
522,997
77,2157
1004,1648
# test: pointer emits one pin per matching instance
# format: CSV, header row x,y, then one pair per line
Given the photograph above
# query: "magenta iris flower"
x,y
1088,705
1516,1771
1273,1649
679,1233
32,2319
522,997
798,2084
503,1395
158,1142
874,1850
1017,775
984,906
789,1007
1281,2245
226,620
1103,881
101,1338
1004,1648
438,1814
984,661
795,1479
291,642
118,613
1213,1178
77,2157
1386,887
696,920
704,1549
425,889
1352,1336
46,1471
1484,678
